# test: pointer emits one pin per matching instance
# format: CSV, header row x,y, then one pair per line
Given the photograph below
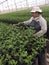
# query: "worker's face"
x,y
35,14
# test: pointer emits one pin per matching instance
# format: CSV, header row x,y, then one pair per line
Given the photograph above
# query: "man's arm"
x,y
28,21
25,22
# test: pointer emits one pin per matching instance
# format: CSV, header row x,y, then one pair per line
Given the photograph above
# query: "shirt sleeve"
x,y
43,24
28,21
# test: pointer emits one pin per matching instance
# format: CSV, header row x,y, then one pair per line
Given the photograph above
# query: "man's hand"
x,y
35,35
20,23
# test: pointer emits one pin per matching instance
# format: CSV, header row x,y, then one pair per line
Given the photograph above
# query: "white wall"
x,y
11,4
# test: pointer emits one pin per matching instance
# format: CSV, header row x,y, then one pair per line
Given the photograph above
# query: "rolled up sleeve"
x,y
28,21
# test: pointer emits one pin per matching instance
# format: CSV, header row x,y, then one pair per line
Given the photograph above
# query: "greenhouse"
x,y
24,32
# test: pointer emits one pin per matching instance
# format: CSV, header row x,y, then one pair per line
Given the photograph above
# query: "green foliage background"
x,y
17,44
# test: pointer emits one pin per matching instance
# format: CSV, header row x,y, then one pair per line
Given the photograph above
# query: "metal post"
x,y
15,4
8,5
2,7
27,3
36,2
4,2
45,2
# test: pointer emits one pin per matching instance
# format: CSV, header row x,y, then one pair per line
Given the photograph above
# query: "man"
x,y
37,20
40,25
